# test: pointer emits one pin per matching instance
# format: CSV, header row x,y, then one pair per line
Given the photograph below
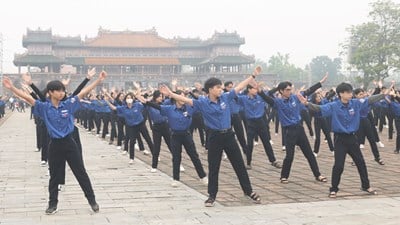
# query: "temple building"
x,y
134,56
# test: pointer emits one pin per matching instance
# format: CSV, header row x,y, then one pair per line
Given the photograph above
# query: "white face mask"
x,y
129,101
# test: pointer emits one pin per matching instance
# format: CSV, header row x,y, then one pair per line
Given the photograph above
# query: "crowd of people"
x,y
224,114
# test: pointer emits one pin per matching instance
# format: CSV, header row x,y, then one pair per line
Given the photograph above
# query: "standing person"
x,y
217,119
345,122
254,110
289,106
59,119
135,123
179,116
236,120
366,129
320,123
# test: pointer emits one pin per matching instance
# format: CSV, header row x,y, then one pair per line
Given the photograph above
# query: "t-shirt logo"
x,y
185,114
223,105
64,113
293,103
351,112
72,100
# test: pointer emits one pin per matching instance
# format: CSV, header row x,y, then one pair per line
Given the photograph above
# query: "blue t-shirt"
x,y
133,116
59,121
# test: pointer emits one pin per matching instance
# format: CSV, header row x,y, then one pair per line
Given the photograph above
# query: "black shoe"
x,y
396,151
209,202
95,207
51,210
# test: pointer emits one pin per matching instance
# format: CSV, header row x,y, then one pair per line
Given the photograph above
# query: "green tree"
x,y
323,64
279,64
373,47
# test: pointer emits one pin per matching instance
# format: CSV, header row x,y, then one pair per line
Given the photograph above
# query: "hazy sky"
x,y
304,29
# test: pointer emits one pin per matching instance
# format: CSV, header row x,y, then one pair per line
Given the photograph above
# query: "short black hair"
x,y
228,83
284,84
210,83
358,90
156,94
55,85
344,87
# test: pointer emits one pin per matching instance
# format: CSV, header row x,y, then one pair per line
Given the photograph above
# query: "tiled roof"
x,y
131,61
129,40
227,60
34,60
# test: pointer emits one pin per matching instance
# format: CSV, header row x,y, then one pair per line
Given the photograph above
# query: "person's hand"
x,y
380,84
26,77
165,90
66,81
302,99
91,73
136,85
174,82
102,75
7,83
324,78
257,71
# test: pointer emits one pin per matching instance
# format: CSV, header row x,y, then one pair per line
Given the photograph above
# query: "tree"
x,y
373,47
322,64
279,64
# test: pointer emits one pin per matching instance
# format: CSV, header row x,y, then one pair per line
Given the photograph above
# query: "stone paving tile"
x,y
130,194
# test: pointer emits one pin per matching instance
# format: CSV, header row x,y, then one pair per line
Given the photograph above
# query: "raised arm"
x,y
7,83
247,81
167,92
91,86
316,86
311,106
89,76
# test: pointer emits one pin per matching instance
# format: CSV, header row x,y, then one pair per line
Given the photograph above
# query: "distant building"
x,y
134,56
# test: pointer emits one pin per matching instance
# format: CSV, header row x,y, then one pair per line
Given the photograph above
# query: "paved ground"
x,y
130,194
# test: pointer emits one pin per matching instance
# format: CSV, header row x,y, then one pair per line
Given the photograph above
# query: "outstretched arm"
x,y
304,101
247,81
91,86
7,83
316,86
89,76
167,92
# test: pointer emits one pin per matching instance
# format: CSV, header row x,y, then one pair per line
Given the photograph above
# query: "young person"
x,y
345,115
59,119
217,119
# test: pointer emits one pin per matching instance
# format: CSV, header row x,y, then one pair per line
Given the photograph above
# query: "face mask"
x,y
129,101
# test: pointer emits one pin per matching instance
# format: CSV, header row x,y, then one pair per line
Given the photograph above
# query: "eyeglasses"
x,y
287,89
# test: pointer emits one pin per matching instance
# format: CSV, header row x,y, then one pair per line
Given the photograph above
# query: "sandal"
x,y
284,180
332,194
321,179
380,161
255,198
370,191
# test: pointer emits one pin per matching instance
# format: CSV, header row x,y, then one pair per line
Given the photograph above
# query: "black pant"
x,y
258,127
120,127
320,123
348,144
305,116
198,123
366,130
177,140
295,135
61,150
225,142
160,130
132,134
113,121
397,124
236,122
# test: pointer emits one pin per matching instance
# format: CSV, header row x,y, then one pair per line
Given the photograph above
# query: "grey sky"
x,y
304,29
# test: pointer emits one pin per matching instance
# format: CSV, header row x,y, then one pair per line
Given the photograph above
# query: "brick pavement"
x,y
130,194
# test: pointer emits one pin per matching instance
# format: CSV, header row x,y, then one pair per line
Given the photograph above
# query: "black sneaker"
x,y
51,210
95,207
209,202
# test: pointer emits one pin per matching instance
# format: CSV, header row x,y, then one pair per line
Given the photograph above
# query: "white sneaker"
x,y
153,170
271,142
146,152
48,173
313,137
119,147
124,152
276,134
204,180
333,153
61,187
224,156
283,148
107,135
362,146
131,161
175,183
136,147
43,163
315,154
255,143
380,144
386,126
159,158
37,150
181,168
97,135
